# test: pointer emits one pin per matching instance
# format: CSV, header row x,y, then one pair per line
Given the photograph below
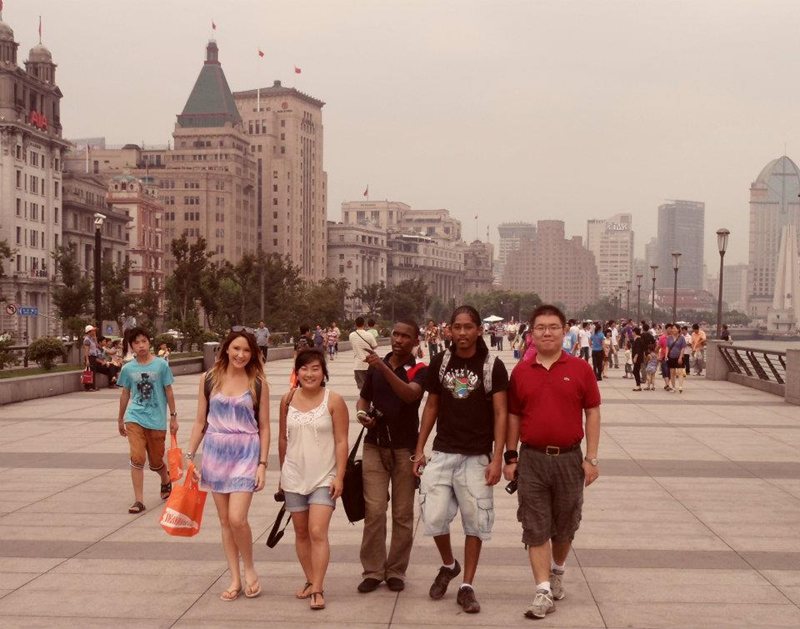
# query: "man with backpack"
x,y
467,402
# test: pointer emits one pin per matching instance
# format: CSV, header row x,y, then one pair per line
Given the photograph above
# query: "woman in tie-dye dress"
x,y
233,416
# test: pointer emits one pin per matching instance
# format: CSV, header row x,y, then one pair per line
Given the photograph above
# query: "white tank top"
x,y
310,453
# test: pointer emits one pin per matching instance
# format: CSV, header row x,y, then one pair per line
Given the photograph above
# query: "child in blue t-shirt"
x,y
146,392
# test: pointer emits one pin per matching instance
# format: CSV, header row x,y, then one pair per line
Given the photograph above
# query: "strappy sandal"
x,y
304,593
317,606
166,490
136,507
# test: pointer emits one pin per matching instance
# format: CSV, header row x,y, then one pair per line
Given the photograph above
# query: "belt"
x,y
553,450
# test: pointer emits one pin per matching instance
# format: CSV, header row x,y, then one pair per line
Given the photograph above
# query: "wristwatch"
x,y
591,461
510,456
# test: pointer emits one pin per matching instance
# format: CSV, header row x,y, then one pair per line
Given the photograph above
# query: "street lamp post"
x,y
676,262
639,277
628,303
653,268
722,245
99,219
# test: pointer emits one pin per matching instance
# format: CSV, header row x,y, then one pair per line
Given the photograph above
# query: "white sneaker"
x,y
556,584
542,605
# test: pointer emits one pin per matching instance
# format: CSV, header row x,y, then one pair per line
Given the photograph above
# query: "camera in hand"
x,y
512,486
280,496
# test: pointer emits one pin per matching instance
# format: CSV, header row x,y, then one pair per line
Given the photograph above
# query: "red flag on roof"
x,y
213,26
297,70
260,52
40,28
366,191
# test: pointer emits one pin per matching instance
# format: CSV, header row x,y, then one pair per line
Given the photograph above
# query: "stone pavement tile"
x,y
496,611
55,533
787,581
41,548
274,620
27,564
96,603
79,622
14,580
112,584
9,506
207,568
748,613
646,558
653,585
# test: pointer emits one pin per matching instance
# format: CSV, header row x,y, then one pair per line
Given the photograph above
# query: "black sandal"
x,y
166,490
302,594
136,507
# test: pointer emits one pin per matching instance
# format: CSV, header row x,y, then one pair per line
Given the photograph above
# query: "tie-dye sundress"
x,y
231,445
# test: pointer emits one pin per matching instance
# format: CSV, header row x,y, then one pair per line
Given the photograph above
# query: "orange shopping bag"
x,y
184,509
175,460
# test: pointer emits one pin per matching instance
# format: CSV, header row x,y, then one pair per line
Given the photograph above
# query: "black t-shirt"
x,y
465,424
399,426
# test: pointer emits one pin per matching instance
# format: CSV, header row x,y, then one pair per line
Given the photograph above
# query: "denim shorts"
x,y
301,502
453,482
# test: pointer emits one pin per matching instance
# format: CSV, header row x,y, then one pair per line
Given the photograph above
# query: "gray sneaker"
x,y
542,605
442,580
556,585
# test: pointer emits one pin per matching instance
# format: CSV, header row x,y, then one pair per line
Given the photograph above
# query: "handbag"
x,y
87,377
353,486
276,533
175,460
183,512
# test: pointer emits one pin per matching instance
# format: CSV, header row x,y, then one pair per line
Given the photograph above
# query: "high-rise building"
x,y
30,184
774,204
284,126
611,242
559,270
681,227
651,252
511,235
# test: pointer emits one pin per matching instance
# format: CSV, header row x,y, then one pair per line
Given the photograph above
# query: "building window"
x,y
19,235
19,207
19,179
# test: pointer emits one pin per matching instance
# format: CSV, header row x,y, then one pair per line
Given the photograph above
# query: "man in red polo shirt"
x,y
547,400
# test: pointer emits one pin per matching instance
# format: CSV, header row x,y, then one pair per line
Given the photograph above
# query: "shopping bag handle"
x,y
173,441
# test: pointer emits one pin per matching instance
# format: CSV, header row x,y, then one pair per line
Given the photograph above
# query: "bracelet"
x,y
264,463
362,413
173,414
190,456
413,458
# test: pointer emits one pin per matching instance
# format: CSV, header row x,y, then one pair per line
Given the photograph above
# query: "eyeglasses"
x,y
241,328
541,329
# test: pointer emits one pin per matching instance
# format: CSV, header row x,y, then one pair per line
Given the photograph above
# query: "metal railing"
x,y
753,362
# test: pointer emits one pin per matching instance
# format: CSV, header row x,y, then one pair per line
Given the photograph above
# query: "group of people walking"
x,y
488,425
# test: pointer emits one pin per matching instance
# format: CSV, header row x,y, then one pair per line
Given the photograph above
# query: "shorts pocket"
x,y
485,515
422,497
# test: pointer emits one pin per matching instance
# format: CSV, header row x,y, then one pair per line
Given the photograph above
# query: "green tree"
x,y
116,296
409,298
185,285
372,297
6,253
146,305
323,301
72,295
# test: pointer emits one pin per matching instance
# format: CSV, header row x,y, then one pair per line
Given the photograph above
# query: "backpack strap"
x,y
443,367
488,368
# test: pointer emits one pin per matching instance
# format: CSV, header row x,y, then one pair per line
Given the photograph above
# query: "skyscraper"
x,y
511,235
284,127
773,205
680,228
611,242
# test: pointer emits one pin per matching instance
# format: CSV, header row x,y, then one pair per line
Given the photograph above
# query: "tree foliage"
x,y
72,296
504,303
372,298
117,299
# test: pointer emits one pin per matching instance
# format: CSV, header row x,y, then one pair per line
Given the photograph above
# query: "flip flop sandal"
x,y
230,595
136,507
251,591
166,490
317,606
303,593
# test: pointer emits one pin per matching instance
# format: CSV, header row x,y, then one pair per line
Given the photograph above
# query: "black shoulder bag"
x,y
353,486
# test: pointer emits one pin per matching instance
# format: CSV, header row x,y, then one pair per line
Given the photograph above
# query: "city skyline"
x,y
423,97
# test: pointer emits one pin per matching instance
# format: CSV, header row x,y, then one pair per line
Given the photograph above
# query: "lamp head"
x,y
722,239
99,219
676,259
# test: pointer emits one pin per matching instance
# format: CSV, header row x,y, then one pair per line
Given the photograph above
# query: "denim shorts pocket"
x,y
485,515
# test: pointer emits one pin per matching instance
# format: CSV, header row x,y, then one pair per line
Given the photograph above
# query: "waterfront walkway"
x,y
694,522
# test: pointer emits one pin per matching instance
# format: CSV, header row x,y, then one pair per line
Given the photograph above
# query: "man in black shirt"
x,y
467,402
393,387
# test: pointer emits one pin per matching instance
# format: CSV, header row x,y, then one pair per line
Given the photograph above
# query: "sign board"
x,y
28,311
11,309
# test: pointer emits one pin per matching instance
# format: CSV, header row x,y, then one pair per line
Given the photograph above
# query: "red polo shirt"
x,y
550,403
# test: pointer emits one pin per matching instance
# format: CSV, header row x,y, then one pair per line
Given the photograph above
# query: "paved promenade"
x,y
694,522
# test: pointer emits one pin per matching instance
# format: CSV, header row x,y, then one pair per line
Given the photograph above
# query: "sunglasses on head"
x,y
242,328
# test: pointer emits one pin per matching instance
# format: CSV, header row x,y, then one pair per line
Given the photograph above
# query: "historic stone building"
x,y
31,149
284,127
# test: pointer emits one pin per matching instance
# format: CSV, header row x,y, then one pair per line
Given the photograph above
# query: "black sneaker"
x,y
395,584
442,580
466,598
368,585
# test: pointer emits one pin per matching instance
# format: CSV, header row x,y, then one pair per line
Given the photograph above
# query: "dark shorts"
x,y
550,495
674,363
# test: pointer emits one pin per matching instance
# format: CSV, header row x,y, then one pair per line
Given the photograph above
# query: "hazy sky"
x,y
514,110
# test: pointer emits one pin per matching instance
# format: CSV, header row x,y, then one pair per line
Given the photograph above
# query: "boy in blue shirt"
x,y
147,385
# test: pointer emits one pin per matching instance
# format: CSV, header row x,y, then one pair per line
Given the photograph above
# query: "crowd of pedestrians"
x,y
538,428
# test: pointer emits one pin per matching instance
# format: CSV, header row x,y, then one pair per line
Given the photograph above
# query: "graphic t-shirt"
x,y
146,383
570,338
465,424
